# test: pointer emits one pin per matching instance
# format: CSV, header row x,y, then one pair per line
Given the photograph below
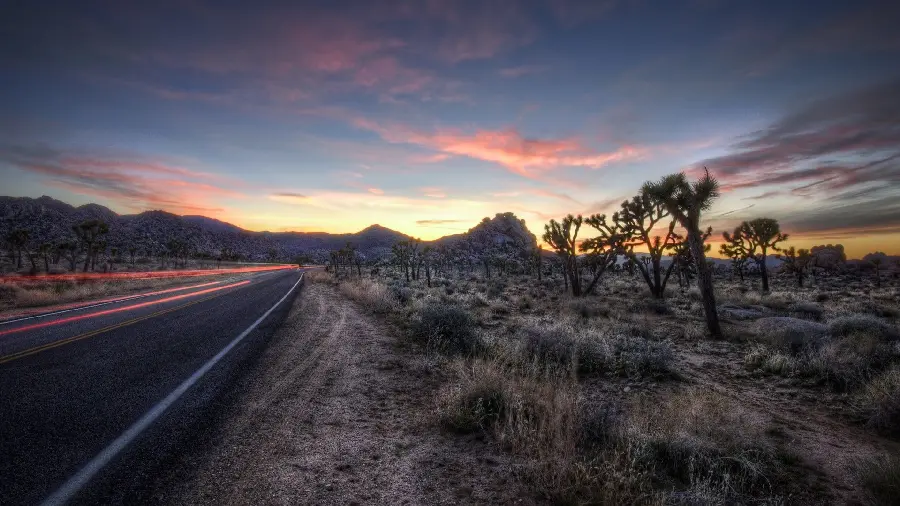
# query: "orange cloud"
x,y
131,182
523,156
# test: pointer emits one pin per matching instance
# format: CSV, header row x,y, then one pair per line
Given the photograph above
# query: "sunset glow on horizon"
x,y
425,117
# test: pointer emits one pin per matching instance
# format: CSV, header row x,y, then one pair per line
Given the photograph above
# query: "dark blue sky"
x,y
428,115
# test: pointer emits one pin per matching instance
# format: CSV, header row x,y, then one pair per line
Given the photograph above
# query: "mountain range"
x,y
50,221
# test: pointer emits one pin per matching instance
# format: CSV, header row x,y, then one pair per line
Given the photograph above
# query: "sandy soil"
x,y
338,412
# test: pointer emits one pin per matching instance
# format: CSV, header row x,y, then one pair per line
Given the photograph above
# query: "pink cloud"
x,y
521,155
375,191
134,183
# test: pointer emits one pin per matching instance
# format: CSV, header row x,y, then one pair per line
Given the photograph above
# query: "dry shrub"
x,y
538,417
318,276
880,479
588,351
705,448
446,328
864,324
373,295
881,401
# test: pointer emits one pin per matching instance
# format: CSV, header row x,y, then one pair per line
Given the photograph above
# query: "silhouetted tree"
x,y
18,242
89,233
638,218
753,239
562,238
876,260
796,262
686,202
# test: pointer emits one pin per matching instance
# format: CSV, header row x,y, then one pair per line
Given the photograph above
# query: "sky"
x,y
426,116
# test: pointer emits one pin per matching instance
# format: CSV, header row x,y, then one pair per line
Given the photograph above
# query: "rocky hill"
x,y
50,221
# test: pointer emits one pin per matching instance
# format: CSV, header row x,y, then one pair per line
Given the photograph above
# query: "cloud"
x,y
433,192
132,182
437,222
375,191
290,195
835,143
524,156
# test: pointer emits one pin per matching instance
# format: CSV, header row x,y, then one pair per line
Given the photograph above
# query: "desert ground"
x,y
508,390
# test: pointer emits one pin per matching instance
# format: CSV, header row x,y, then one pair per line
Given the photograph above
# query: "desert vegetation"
x,y
612,385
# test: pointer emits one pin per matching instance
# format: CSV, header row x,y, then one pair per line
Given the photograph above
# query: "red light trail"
x,y
120,309
38,312
112,276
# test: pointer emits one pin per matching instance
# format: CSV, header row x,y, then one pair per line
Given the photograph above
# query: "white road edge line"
x,y
81,308
74,484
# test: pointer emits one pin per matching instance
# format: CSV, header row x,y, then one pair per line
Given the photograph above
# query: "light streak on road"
x,y
70,319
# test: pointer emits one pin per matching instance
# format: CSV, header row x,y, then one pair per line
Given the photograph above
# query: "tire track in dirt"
x,y
807,421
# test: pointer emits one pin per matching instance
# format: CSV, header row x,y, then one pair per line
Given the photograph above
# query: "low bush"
x,y
373,295
880,479
881,402
590,352
864,324
807,310
447,329
705,447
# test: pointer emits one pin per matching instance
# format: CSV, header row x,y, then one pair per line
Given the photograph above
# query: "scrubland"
x,y
621,398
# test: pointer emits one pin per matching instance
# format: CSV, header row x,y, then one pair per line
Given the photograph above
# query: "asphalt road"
x,y
93,402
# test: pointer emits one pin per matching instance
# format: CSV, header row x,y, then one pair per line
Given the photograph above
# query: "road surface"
x,y
94,401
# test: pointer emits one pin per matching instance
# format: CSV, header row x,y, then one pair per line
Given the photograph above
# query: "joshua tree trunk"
x,y
763,271
46,264
705,282
428,274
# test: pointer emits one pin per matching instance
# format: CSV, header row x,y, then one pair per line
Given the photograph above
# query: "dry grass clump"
x,y
705,449
880,479
857,352
844,326
881,401
587,351
373,295
538,418
318,276
447,329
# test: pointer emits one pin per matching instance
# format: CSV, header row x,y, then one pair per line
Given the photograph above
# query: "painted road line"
x,y
83,476
111,301
61,342
105,312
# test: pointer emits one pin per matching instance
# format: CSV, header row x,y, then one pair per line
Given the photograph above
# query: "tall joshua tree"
x,y
639,218
562,238
753,239
686,201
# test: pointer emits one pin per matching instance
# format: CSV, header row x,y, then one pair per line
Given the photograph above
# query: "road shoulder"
x,y
336,412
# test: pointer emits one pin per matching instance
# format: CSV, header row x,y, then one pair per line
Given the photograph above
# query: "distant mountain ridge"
x,y
51,220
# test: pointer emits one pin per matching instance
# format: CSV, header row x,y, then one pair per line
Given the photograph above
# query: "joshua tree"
x,y
877,260
69,252
738,259
44,250
603,250
637,220
753,239
686,201
797,262
89,233
562,237
18,242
